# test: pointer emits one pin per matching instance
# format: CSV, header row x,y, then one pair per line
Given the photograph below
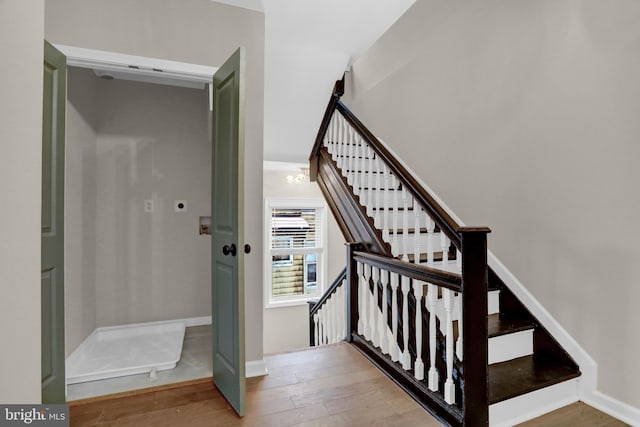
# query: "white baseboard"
x,y
613,407
196,321
531,405
255,368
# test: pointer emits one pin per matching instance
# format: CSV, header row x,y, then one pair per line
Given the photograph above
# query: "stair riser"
x,y
411,221
371,200
510,346
423,242
375,193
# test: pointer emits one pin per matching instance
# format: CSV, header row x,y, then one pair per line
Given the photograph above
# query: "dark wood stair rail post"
x,y
352,290
474,317
338,91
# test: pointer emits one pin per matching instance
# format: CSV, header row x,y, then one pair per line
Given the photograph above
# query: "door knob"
x,y
226,250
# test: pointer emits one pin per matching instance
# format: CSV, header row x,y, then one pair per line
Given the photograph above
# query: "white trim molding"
x,y
139,68
196,321
617,409
256,368
531,405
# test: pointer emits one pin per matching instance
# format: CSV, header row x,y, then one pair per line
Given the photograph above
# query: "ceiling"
x,y
309,44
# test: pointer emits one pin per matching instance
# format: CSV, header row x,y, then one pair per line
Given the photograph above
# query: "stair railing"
x,y
408,318
328,315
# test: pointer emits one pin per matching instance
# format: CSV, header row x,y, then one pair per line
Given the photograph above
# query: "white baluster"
x,y
340,142
351,177
338,314
393,340
430,236
345,148
375,333
444,243
405,225
395,243
329,322
417,211
378,217
321,325
363,177
335,136
458,259
369,302
418,290
325,137
406,356
329,136
384,339
343,309
460,334
357,179
385,225
449,386
432,296
361,306
370,182
332,321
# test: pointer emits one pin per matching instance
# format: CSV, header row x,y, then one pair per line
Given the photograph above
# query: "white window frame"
x,y
321,261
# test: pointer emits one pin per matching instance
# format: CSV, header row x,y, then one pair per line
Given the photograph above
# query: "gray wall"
x,y
287,328
80,206
523,116
152,144
128,142
21,34
197,31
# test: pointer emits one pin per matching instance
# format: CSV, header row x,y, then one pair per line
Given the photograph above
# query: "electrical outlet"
x,y
148,205
180,205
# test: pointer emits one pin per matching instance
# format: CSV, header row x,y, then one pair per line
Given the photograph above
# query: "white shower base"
x,y
118,351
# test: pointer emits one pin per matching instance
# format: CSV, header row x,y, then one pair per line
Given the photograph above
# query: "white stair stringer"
x,y
534,404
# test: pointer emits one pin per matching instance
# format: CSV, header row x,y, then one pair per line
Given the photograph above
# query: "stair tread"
x,y
504,325
525,374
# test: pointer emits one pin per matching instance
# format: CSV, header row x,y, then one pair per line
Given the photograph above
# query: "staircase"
x,y
417,296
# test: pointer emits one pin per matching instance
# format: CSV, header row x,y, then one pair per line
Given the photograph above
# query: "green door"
x,y
52,252
227,231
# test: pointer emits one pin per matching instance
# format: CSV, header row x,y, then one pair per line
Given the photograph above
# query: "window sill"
x,y
290,303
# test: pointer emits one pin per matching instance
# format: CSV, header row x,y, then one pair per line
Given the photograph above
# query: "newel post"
x,y
475,394
312,324
352,290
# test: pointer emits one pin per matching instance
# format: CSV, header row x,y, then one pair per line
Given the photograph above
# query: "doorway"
x,y
138,181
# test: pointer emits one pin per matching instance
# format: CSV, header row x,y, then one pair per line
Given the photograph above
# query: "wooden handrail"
x,y
336,283
423,273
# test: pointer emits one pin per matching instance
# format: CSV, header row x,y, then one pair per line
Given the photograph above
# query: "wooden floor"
x,y
328,386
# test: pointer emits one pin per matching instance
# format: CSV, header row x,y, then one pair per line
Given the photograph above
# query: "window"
x,y
295,240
